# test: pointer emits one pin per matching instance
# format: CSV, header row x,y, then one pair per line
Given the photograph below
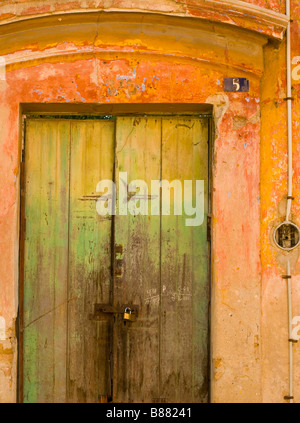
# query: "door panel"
x,y
67,261
162,357
88,369
184,266
75,258
46,260
136,345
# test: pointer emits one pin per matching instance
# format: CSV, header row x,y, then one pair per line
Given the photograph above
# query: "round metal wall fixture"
x,y
287,236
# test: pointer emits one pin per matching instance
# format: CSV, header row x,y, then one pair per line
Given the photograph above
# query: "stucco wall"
x,y
175,59
273,203
251,14
277,5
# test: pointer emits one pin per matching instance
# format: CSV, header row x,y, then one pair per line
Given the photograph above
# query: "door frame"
x,y
64,111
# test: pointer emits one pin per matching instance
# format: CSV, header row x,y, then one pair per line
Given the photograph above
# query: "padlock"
x,y
128,315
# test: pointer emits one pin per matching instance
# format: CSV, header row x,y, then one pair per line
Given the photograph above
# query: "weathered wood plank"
x,y
89,341
46,258
136,345
184,268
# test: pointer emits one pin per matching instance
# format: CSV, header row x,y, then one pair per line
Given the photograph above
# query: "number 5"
x,y
236,83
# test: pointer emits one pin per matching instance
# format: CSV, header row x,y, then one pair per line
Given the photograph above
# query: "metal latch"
x,y
103,310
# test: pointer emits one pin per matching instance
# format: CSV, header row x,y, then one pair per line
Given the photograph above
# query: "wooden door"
x,y
162,357
67,264
74,259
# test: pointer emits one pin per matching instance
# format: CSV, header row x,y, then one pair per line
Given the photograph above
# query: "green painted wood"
x,y
89,341
162,357
46,260
67,261
68,265
136,345
184,269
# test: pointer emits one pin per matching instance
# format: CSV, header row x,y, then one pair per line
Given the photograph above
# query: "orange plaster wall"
x,y
276,5
149,79
203,9
273,202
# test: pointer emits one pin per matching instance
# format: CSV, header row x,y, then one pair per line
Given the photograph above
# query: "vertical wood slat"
x,y
184,261
89,263
46,258
136,345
